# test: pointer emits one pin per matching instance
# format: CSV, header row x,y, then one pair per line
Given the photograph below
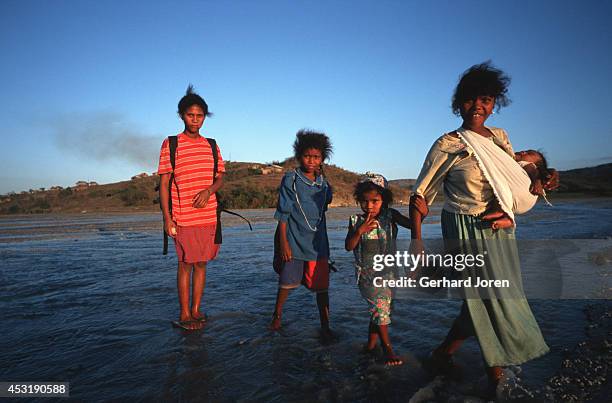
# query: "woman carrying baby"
x,y
505,328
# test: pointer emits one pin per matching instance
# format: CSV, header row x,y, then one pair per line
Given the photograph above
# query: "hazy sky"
x,y
89,89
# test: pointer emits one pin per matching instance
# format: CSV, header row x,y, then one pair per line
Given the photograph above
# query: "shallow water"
x,y
89,300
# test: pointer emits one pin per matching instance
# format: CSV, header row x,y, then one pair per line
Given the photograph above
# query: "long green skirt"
x,y
505,327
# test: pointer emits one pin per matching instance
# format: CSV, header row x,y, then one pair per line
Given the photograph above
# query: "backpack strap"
x,y
172,145
213,147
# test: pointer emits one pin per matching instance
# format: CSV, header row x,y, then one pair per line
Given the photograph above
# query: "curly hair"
x,y
192,98
307,139
363,187
482,79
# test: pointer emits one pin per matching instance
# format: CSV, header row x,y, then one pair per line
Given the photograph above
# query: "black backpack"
x,y
173,143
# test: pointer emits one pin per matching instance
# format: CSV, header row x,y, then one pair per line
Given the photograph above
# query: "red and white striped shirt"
x,y
193,173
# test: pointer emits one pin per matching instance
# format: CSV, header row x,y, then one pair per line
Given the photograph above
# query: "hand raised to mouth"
x,y
369,224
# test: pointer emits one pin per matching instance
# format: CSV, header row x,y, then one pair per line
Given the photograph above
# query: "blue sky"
x,y
89,89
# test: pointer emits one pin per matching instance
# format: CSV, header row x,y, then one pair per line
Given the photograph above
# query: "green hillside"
x,y
247,185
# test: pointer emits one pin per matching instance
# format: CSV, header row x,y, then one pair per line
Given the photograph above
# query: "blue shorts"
x,y
291,274
313,274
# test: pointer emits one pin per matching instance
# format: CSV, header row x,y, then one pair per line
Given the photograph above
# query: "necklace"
x,y
297,199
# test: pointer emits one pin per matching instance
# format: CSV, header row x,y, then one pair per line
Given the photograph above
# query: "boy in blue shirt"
x,y
303,248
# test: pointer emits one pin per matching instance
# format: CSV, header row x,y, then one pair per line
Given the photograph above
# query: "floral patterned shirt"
x,y
380,240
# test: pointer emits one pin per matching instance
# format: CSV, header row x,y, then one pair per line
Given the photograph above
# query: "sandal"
x,y
185,324
202,319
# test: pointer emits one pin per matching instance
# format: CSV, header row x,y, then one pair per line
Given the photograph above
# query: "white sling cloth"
x,y
508,179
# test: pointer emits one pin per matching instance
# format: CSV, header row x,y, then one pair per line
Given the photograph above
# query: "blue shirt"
x,y
302,204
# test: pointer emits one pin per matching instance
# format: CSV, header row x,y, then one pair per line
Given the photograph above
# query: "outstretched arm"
x,y
416,217
400,219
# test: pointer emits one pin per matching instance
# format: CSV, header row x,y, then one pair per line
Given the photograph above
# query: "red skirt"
x,y
196,243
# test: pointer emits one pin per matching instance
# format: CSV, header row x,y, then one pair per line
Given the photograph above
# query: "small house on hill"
x,y
271,169
81,185
140,175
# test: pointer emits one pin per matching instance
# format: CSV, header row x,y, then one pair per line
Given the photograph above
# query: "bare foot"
x,y
490,393
440,363
196,315
493,215
501,223
327,336
393,360
189,322
276,322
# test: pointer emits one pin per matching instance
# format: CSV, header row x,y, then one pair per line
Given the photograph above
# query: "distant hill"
x,y
247,185
594,180
591,181
403,183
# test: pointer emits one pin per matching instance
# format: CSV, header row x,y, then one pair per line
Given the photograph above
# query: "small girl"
x,y
372,233
301,244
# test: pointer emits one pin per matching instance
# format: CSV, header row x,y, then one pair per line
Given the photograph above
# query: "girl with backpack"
x,y
187,192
